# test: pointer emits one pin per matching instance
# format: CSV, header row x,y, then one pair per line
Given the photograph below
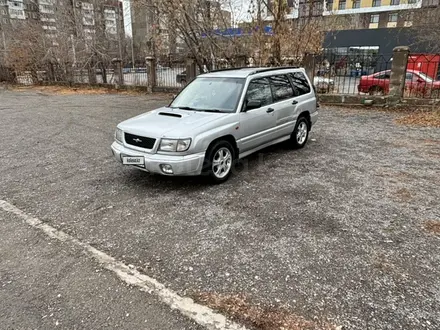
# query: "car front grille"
x,y
139,141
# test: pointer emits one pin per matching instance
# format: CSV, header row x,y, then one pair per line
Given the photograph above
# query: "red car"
x,y
416,83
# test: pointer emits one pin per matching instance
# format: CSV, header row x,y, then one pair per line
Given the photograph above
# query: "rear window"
x,y
281,88
383,75
300,83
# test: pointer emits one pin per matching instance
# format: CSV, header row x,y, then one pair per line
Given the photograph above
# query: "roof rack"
x,y
273,69
228,69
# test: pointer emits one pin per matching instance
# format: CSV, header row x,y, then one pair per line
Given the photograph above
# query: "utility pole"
x,y
4,48
73,49
132,52
121,63
118,24
4,41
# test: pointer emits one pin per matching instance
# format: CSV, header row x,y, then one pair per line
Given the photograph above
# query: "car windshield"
x,y
425,77
210,94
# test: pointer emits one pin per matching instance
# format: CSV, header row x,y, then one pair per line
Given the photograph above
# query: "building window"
x,y
356,4
330,5
374,19
392,17
395,2
376,3
341,5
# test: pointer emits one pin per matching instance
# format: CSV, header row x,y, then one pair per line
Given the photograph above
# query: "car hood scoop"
x,y
170,114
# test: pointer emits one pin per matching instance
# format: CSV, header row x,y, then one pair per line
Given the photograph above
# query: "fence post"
x,y
190,69
151,73
398,74
117,62
309,65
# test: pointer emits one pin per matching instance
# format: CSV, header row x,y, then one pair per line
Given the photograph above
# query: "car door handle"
x,y
294,102
270,110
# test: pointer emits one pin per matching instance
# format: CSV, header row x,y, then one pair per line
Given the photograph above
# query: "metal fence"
x,y
174,76
342,73
354,73
422,78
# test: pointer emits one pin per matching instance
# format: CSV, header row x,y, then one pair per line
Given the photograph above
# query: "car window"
x,y
211,93
259,90
409,76
383,75
281,88
300,83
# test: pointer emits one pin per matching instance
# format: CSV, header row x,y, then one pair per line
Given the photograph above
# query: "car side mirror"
x,y
253,104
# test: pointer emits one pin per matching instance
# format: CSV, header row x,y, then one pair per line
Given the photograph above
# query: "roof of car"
x,y
245,72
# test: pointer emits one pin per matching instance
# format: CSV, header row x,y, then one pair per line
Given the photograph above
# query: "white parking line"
x,y
202,315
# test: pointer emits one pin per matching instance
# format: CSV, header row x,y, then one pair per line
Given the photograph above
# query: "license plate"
x,y
133,160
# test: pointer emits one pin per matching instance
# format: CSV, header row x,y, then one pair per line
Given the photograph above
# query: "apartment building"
x,y
82,17
359,14
373,14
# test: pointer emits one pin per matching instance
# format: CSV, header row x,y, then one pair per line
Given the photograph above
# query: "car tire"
x,y
376,90
300,134
219,161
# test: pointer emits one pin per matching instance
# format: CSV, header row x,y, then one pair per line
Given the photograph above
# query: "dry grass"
x,y
421,118
85,90
403,195
61,90
242,310
432,226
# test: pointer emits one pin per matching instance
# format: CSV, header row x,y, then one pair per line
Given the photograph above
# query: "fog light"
x,y
166,168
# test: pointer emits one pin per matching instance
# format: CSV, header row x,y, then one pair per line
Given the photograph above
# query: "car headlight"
x,y
118,135
174,145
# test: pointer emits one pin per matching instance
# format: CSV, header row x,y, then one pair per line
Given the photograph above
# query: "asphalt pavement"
x,y
334,232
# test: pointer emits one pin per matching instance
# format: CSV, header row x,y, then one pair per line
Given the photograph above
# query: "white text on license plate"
x,y
133,160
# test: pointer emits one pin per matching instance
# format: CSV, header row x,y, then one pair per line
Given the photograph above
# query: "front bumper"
x,y
182,165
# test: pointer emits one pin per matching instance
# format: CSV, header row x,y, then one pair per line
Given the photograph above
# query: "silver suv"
x,y
218,118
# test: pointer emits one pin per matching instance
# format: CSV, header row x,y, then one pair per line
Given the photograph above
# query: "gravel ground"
x,y
332,232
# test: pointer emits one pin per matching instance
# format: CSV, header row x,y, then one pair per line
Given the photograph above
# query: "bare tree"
x,y
426,28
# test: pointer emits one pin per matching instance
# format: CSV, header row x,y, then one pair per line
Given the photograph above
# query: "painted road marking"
x,y
202,315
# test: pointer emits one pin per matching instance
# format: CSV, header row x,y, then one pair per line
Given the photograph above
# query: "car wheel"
x,y
376,90
219,161
300,133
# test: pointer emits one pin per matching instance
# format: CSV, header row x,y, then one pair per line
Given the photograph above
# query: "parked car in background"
x,y
415,82
217,119
181,78
162,68
323,85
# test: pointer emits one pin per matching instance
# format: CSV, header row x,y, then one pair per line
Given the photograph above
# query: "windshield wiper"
x,y
214,110
186,108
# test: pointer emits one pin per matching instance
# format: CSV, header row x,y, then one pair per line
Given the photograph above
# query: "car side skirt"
x,y
279,140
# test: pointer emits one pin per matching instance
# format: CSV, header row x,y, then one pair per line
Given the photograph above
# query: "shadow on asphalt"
x,y
139,179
